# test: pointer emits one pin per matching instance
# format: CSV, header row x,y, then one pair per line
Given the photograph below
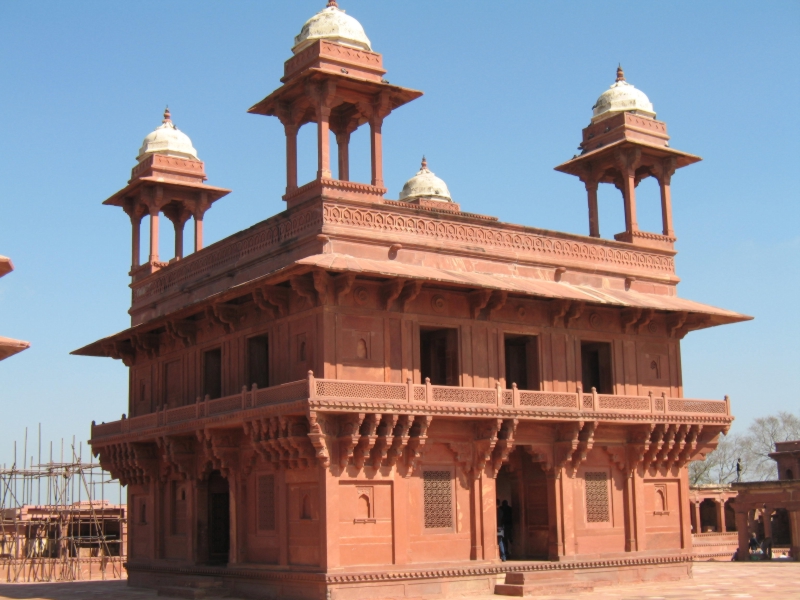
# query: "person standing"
x,y
501,538
508,525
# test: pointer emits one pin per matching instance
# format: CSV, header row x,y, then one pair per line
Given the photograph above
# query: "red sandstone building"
x,y
331,402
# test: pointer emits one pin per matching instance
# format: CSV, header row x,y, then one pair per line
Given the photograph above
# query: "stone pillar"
x,y
323,142
178,224
556,515
666,207
721,516
328,519
487,522
136,226
629,502
742,534
343,150
594,216
697,522
153,235
794,527
376,146
198,232
234,550
767,516
629,197
291,157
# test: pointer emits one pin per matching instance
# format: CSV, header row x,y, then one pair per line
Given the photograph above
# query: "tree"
x,y
760,441
753,448
719,467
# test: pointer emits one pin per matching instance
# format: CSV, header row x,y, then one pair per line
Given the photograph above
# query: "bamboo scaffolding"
x,y
76,534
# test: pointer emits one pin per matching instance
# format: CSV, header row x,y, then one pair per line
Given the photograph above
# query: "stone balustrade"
x,y
570,405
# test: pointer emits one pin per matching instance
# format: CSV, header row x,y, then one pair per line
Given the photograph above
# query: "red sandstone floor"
x,y
773,581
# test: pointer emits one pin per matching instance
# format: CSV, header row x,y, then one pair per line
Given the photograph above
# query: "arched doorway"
x,y
219,518
708,516
523,484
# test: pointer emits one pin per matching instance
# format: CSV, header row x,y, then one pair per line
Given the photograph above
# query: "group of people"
x,y
763,549
505,521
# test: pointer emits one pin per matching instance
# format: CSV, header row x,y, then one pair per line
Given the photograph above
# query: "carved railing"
x,y
341,390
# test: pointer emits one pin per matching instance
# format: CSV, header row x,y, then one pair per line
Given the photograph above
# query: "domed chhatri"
x,y
425,186
620,97
332,24
167,140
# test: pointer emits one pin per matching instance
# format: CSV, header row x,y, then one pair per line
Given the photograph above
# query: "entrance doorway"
x,y
524,485
219,518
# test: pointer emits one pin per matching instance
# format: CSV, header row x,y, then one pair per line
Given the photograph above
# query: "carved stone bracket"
x,y
226,315
180,453
629,317
272,299
304,287
419,435
131,463
342,285
485,442
317,430
585,444
146,343
400,437
505,444
385,432
410,291
324,286
675,323
390,291
349,436
477,301
366,442
182,330
574,312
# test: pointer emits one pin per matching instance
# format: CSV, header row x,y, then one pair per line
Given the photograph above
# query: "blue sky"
x,y
508,87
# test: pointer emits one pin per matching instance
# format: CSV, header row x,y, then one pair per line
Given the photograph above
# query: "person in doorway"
x,y
501,541
508,523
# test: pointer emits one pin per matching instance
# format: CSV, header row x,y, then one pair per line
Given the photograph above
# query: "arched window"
x,y
661,500
361,349
363,507
143,513
789,474
302,351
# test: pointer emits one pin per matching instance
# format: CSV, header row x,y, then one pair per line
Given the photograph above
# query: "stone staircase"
x,y
210,588
540,584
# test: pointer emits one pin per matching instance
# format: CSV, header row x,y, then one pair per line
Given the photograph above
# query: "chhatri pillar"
x,y
168,178
336,80
623,144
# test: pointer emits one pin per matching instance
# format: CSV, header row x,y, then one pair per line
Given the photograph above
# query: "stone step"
x,y
543,588
194,593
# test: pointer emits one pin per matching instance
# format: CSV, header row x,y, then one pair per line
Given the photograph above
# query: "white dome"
x,y
332,24
620,97
167,140
425,185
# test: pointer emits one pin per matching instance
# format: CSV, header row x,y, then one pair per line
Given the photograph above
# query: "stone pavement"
x,y
774,581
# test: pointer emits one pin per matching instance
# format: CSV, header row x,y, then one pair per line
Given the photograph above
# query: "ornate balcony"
x,y
337,395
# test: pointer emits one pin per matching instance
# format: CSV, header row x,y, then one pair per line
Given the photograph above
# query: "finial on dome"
x,y
332,3
167,117
424,163
620,73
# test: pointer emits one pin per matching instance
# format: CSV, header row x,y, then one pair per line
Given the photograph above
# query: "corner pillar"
x,y
291,157
136,236
376,150
743,535
153,257
594,216
323,142
343,153
667,170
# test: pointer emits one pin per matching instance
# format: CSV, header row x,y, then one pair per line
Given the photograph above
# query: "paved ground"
x,y
772,581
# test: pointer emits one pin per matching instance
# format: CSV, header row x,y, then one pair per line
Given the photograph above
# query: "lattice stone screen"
x,y
266,503
438,499
597,505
